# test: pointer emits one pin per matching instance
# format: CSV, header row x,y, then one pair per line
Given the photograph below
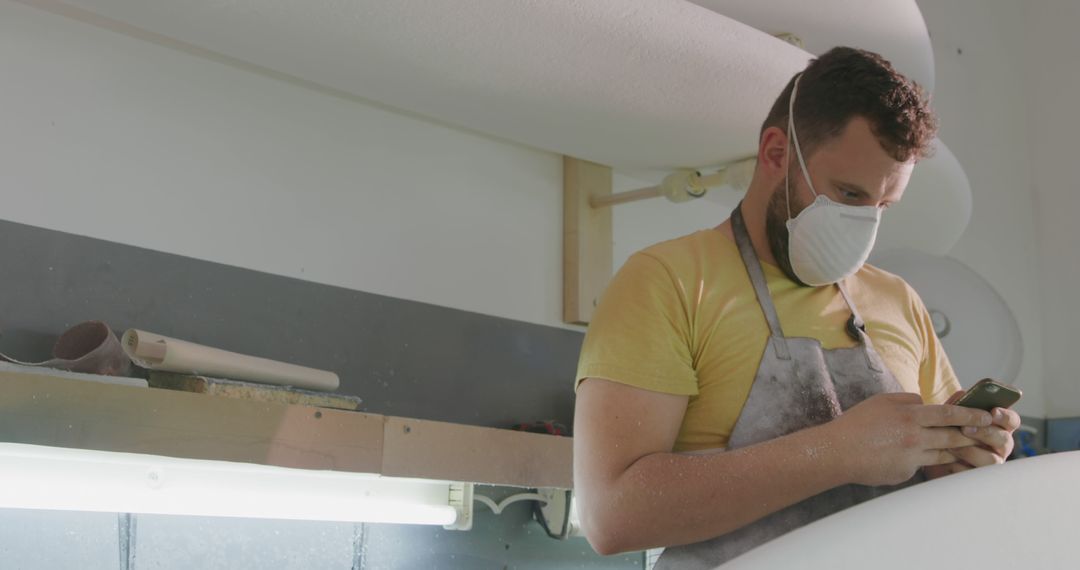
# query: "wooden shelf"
x,y
62,412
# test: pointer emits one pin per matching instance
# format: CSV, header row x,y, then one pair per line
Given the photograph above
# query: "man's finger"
x,y
977,456
948,415
993,436
1006,418
938,457
947,438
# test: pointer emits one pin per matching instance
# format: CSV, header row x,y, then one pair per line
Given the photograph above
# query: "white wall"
x,y
980,100
107,136
1053,81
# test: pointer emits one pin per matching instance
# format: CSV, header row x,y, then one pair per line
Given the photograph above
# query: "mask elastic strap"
x,y
798,150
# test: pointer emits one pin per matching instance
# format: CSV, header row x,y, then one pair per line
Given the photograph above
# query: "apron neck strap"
x,y
753,268
856,327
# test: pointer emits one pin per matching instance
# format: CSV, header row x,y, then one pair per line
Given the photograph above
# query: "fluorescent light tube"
x,y
54,478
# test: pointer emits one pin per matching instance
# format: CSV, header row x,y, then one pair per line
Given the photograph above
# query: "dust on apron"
x,y
798,385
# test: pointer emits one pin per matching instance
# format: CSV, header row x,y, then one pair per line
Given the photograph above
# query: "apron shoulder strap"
x,y
856,328
757,279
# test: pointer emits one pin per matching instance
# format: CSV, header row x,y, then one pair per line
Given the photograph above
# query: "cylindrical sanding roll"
x,y
157,352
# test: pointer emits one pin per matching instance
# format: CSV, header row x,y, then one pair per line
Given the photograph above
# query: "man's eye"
x,y
851,195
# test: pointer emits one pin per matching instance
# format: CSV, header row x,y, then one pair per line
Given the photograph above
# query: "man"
x,y
743,381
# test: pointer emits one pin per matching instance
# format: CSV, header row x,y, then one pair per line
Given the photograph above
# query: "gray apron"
x,y
798,385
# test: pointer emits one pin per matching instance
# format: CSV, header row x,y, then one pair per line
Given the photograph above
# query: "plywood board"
x,y
587,238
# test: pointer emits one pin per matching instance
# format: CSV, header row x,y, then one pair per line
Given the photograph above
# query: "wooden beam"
x,y
587,238
455,452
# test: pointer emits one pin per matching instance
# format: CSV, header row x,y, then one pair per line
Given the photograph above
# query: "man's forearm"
x,y
667,499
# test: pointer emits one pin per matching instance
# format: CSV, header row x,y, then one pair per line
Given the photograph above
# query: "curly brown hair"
x,y
845,83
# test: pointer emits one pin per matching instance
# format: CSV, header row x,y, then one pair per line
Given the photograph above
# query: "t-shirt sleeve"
x,y
937,380
640,331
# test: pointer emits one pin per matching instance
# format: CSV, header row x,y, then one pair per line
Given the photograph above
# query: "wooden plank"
x,y
252,391
587,238
60,412
454,452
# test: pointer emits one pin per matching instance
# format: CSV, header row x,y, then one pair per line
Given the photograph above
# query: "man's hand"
x,y
888,437
995,443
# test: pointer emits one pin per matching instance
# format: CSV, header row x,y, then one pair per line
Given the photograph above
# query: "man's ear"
x,y
772,152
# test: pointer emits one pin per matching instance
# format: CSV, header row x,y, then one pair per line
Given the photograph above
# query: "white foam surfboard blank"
x,y
895,28
658,84
1017,515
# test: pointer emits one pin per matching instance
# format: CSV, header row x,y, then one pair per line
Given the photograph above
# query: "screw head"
x,y
155,478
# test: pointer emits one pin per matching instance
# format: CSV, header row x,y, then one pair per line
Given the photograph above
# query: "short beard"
x,y
776,216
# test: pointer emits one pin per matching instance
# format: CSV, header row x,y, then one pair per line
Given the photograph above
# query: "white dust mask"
x,y
827,241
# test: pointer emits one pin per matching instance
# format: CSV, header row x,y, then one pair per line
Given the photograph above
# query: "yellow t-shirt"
x,y
681,317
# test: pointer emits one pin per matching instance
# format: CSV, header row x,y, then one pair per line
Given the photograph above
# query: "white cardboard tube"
x,y
157,352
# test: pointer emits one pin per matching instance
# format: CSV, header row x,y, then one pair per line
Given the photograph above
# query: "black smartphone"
x,y
988,394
